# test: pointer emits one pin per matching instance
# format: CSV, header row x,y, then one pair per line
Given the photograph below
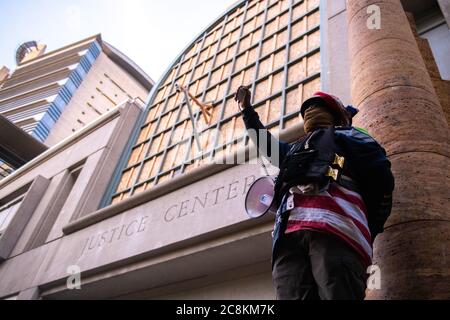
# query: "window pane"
x,y
249,45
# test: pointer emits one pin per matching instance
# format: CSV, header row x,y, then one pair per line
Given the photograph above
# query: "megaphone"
x,y
260,198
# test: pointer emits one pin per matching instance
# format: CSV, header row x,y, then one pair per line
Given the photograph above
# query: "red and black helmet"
x,y
333,103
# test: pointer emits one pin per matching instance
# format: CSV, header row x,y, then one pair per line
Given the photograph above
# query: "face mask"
x,y
317,117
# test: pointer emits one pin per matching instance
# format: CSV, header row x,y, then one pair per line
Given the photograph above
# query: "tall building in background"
x,y
51,95
128,202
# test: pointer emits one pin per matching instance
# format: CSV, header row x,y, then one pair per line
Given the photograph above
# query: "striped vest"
x,y
337,211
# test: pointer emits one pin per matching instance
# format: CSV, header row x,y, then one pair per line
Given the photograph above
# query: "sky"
x,y
150,32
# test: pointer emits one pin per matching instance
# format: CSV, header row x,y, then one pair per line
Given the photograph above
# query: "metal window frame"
x,y
184,57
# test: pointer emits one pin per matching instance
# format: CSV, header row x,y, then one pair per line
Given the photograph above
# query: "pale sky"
x,y
151,32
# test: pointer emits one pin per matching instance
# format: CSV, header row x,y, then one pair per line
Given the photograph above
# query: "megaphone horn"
x,y
260,198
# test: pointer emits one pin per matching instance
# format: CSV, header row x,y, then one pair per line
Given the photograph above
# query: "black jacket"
x,y
367,161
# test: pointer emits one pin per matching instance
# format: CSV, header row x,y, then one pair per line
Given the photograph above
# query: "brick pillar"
x,y
392,88
442,87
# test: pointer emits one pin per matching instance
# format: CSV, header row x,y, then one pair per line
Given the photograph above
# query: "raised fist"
x,y
243,97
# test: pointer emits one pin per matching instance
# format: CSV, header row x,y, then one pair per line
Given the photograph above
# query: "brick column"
x,y
392,88
442,87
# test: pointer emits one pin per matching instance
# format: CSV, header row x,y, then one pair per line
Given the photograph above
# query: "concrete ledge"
x,y
221,248
445,8
17,146
29,294
112,114
288,135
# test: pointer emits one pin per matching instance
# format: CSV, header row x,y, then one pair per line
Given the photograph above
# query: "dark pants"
x,y
310,265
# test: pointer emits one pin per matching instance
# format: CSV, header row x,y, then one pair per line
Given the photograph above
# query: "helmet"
x,y
335,106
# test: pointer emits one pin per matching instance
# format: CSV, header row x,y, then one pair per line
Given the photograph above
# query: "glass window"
x,y
272,46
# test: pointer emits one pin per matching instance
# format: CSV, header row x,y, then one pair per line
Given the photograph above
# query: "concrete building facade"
x,y
51,95
44,88
128,207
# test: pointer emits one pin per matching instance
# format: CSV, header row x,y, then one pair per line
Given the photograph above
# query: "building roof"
x,y
16,146
113,53
128,65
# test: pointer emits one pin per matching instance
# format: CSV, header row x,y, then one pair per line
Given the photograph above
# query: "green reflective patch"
x,y
362,130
